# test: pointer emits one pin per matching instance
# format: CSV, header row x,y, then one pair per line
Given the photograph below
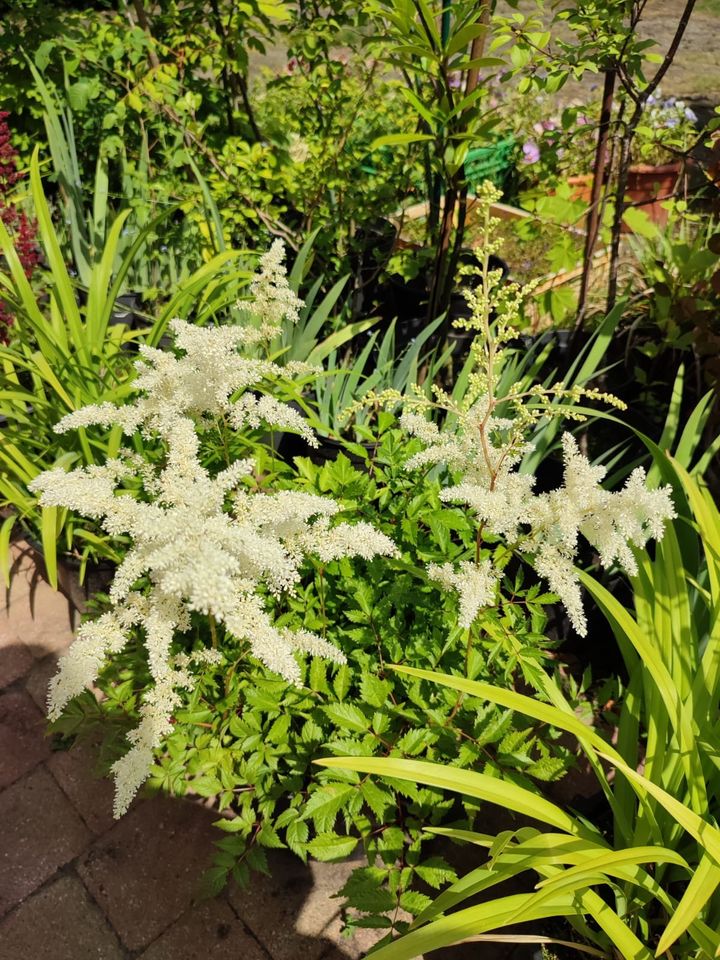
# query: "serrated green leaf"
x,y
435,872
341,681
376,798
296,836
325,803
415,741
374,691
364,890
268,837
347,716
414,902
329,847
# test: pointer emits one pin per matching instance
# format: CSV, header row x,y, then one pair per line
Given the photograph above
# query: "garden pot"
x,y
98,576
126,310
403,299
581,187
330,448
406,329
648,187
459,342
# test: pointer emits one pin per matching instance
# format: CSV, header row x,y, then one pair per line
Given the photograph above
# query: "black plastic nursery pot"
x,y
330,448
127,310
405,300
402,298
292,446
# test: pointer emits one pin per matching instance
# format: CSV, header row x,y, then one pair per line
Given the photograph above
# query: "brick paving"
x,y
77,885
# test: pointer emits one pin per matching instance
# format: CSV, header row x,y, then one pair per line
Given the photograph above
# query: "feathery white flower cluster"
x,y
544,526
274,301
476,583
202,543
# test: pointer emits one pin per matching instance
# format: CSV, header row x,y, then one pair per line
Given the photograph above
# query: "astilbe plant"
x,y
200,543
483,442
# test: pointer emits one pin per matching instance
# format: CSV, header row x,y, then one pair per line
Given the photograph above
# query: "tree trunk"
x,y
599,169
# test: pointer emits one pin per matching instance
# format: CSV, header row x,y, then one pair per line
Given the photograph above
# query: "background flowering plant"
x,y
667,132
16,221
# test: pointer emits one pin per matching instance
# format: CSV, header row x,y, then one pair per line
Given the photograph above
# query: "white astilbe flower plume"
x,y
202,542
274,300
476,584
544,526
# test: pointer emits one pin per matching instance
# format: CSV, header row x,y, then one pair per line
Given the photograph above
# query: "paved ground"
x,y
76,885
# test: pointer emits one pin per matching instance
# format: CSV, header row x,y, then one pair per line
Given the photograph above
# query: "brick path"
x,y
77,885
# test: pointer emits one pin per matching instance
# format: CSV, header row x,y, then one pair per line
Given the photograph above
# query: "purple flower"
x,y
671,122
531,152
690,115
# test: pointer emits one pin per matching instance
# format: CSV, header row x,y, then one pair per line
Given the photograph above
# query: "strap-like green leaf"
x,y
466,782
703,884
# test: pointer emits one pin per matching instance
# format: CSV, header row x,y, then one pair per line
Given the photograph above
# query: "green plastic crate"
x,y
493,163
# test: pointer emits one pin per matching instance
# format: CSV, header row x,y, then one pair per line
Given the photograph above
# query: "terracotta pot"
x,y
647,187
581,187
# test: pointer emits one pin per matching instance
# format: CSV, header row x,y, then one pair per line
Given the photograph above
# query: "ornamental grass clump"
x,y
202,543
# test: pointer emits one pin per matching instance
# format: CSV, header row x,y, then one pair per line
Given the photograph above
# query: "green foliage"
x,y
432,44
249,740
575,39
679,269
67,351
664,797
319,165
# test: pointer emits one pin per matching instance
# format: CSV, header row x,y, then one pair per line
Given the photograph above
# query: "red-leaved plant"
x,y
23,231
